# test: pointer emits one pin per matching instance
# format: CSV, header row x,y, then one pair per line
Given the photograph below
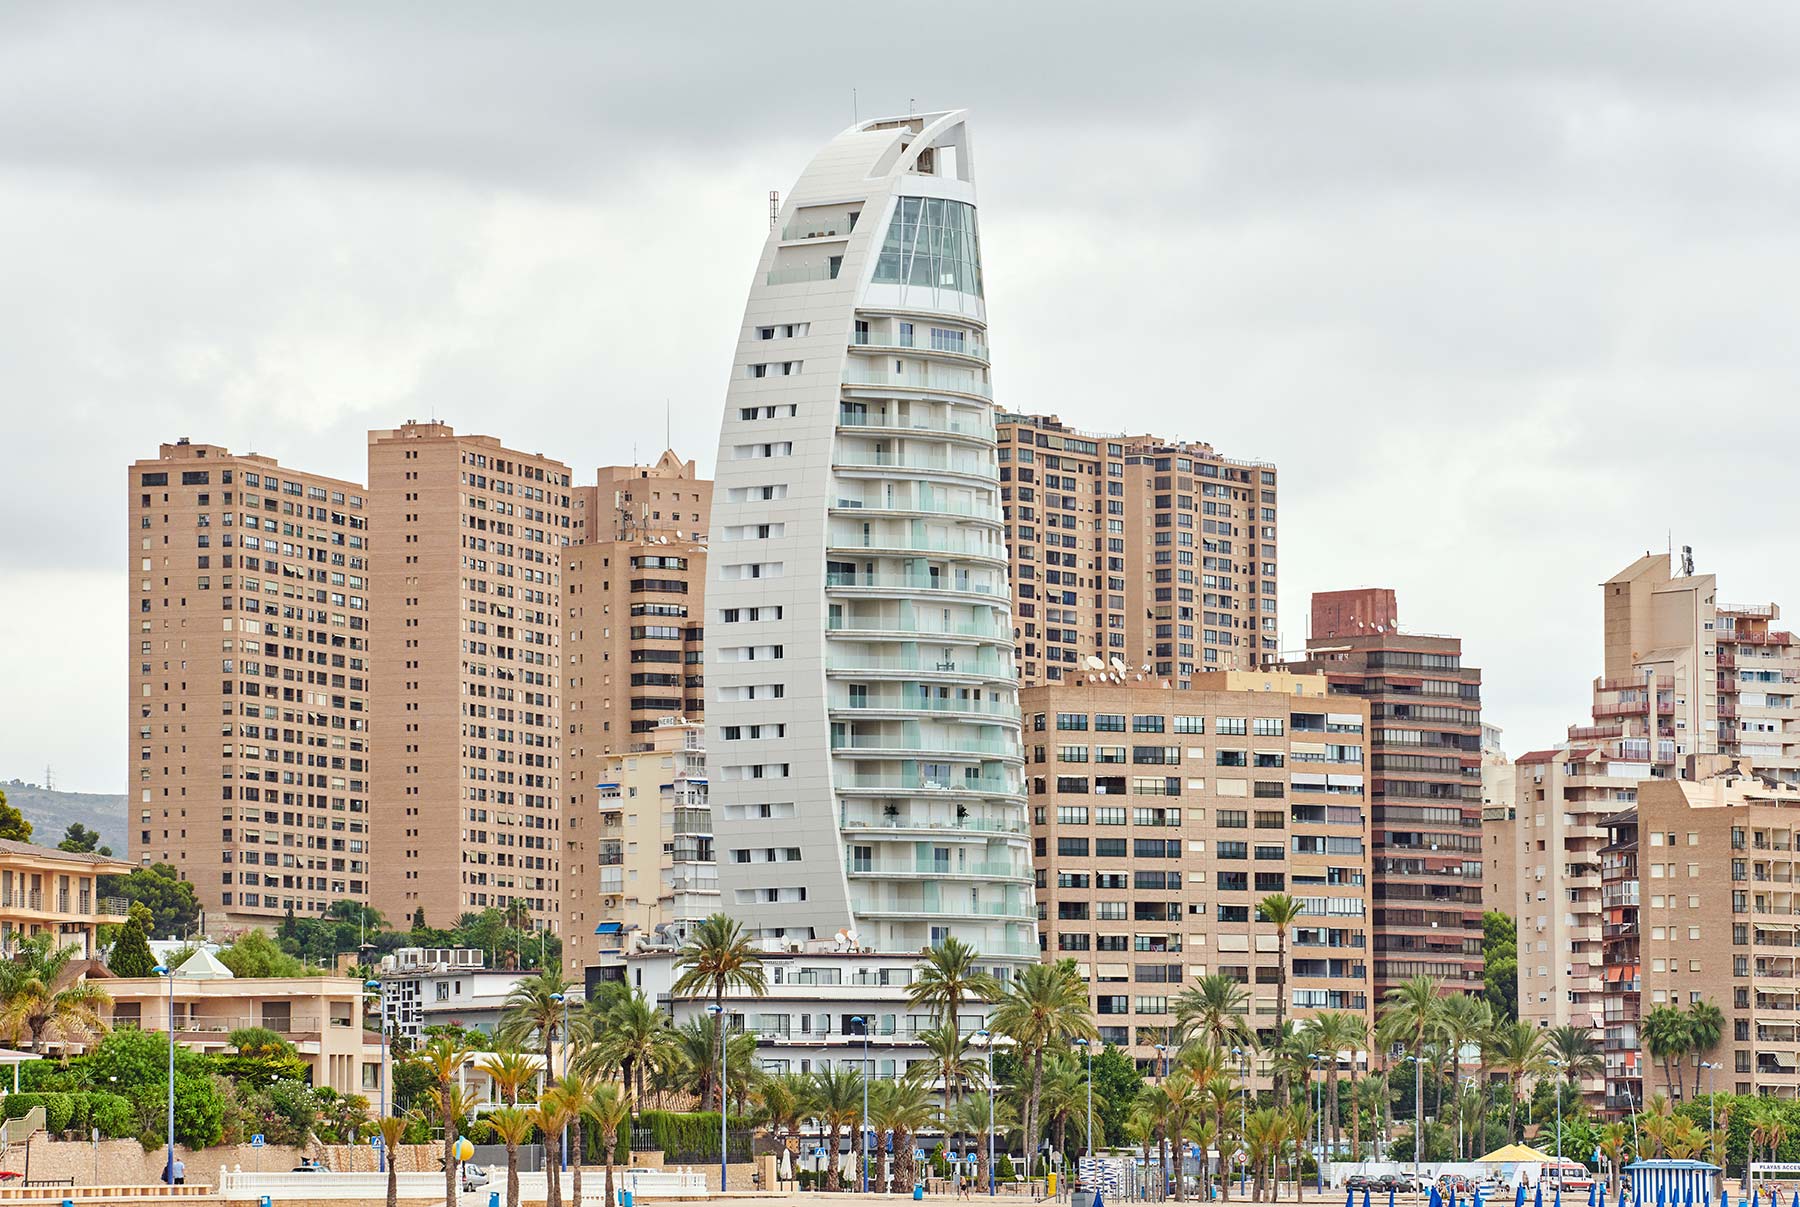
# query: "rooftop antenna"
x,y
912,105
49,779
855,111
668,424
774,207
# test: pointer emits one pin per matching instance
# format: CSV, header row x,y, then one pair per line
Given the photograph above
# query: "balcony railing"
x,y
925,423
881,339
911,582
871,459
926,379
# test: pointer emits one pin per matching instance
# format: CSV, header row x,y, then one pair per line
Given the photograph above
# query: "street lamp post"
x,y
168,974
1631,1102
1712,1107
718,1012
1089,1049
374,987
864,1024
987,1041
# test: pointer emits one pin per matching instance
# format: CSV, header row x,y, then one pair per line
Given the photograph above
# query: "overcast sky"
x,y
1506,289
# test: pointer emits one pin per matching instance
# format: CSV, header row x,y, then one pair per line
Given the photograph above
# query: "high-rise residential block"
x,y
1159,553
250,700
1161,819
468,675
1425,755
639,859
1719,922
634,602
1758,670
863,724
1621,966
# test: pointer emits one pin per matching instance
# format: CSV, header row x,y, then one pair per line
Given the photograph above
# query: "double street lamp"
x,y
987,1041
1085,1046
374,988
718,1013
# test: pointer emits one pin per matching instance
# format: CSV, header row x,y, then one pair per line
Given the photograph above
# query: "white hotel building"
x,y
863,722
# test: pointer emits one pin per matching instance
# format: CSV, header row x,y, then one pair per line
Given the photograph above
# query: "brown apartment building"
x,y
1160,819
1425,756
634,603
251,612
1719,921
1158,553
469,673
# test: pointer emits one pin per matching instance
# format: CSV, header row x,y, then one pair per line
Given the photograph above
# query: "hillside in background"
x,y
50,812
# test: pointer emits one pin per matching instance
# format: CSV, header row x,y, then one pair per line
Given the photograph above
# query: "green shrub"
x,y
112,1115
804,1178
59,1110
19,1105
691,1135
1003,1169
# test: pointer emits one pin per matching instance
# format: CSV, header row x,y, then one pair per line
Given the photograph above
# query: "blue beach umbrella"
x,y
1390,1196
1592,1187
1519,1194
1661,1197
1537,1194
1349,1197
1478,1193
1559,1194
1436,1200
1756,1196
1365,1196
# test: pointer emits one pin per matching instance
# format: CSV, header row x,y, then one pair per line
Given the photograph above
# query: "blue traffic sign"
x,y
256,1141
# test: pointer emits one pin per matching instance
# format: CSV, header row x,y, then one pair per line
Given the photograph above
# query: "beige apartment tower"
x,y
251,613
1160,819
634,603
469,676
1685,680
1159,553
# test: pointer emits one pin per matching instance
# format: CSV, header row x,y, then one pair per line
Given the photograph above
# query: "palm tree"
x,y
1143,1126
392,1130
1517,1049
1371,1095
1572,1050
948,978
1280,911
716,957
1300,1126
1044,1004
1265,1134
948,1052
1464,1020
1665,1032
1065,1096
632,1036
1615,1141
513,1125
1706,1027
1176,1098
1410,1016
580,1090
511,1071
907,1108
974,1118
837,1101
32,1005
787,1101
610,1111
557,1106
443,1058
1333,1032
535,1010
1215,1007
1220,1095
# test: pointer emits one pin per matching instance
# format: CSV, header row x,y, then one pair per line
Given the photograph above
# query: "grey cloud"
x,y
1505,289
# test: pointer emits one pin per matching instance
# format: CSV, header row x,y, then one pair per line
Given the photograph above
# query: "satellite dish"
x,y
850,933
1094,664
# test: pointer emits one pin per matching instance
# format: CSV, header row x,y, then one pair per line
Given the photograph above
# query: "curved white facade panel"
x,y
863,714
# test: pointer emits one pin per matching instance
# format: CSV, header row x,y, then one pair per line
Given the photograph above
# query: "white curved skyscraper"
x,y
863,720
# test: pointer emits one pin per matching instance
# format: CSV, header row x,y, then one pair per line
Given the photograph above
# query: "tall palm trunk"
x,y
1281,1098
1331,1099
1031,1107
610,1200
575,1158
1418,1110
512,1173
832,1182
393,1191
449,1157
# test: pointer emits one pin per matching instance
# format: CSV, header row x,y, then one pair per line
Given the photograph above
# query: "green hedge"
x,y
112,1115
695,1132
